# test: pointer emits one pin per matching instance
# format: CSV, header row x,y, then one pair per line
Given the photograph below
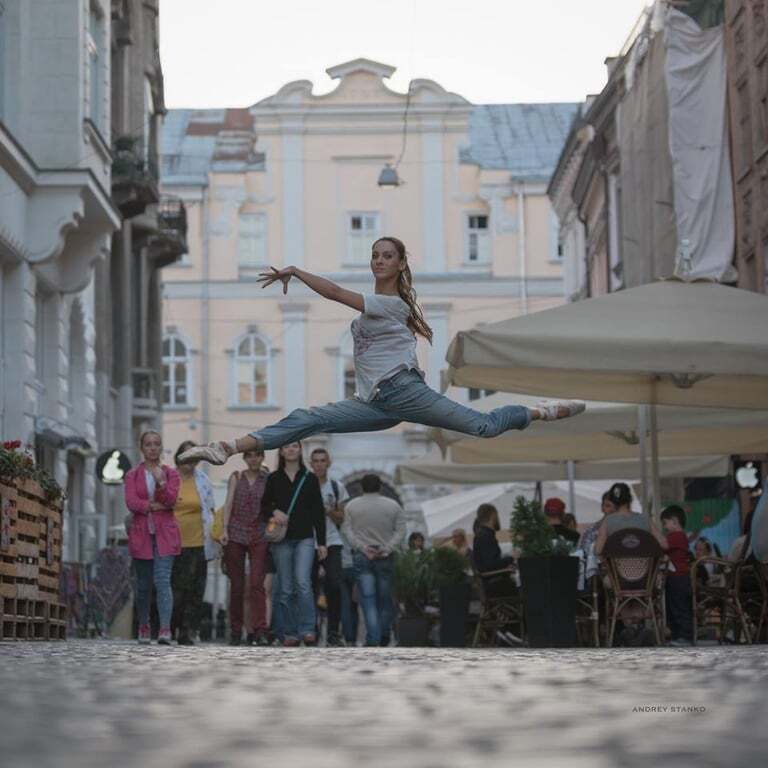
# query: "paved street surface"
x,y
103,703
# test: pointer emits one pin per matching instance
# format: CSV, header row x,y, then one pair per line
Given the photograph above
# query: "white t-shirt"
x,y
332,535
383,343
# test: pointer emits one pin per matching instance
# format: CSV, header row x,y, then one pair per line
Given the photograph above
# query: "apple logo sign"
x,y
747,476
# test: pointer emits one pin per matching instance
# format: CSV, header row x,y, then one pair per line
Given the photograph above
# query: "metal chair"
x,y
633,558
588,613
735,603
496,613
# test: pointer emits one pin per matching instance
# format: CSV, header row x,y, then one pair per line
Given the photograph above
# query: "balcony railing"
x,y
134,177
170,240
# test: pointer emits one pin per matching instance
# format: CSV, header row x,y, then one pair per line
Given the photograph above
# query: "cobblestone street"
x,y
102,703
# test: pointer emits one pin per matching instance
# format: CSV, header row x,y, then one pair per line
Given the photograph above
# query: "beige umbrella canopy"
x,y
669,342
610,431
431,470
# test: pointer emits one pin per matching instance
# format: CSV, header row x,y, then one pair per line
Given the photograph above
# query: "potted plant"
x,y
452,581
549,578
413,581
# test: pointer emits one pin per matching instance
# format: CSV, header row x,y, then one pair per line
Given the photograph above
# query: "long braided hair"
x,y
416,321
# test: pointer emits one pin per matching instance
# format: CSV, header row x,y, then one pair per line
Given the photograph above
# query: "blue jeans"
x,y
158,569
374,583
348,606
293,560
403,397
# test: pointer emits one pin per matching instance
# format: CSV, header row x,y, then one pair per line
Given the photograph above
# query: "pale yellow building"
x,y
293,180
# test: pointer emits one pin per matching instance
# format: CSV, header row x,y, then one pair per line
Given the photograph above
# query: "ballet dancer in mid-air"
x,y
390,384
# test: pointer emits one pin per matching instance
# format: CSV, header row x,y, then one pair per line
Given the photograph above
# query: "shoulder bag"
x,y
275,532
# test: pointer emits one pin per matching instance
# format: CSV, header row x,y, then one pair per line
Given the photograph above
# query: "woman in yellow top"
x,y
194,514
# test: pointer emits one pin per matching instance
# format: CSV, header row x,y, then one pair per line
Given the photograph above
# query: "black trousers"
x,y
190,570
334,575
679,608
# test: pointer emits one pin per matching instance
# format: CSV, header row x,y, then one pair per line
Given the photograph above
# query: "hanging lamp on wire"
x,y
389,177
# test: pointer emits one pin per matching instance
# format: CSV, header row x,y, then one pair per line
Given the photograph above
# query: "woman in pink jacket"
x,y
154,538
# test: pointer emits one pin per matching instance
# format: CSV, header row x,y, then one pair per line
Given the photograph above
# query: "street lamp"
x,y
389,178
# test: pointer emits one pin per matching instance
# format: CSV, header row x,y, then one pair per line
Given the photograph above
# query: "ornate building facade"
x,y
293,180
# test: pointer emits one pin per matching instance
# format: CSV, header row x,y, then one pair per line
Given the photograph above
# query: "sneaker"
x,y
679,642
250,638
309,639
261,639
213,453
185,640
236,639
164,637
335,641
291,642
552,410
145,635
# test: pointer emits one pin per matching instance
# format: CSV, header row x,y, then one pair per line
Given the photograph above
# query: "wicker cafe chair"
x,y
734,603
633,559
496,613
588,613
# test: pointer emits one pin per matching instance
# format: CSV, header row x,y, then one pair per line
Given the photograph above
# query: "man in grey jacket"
x,y
374,525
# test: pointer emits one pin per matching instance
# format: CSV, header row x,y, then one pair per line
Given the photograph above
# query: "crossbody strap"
x,y
296,493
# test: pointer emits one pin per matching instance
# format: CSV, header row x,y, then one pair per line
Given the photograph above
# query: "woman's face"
x,y
701,549
608,507
253,460
385,260
291,452
151,447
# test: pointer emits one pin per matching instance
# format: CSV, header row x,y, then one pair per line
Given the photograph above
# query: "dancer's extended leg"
x,y
345,416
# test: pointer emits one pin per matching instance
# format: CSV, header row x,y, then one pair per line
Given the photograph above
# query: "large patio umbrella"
x,y
431,470
610,431
669,342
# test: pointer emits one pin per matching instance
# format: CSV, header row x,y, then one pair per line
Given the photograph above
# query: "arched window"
x,y
252,371
346,368
175,371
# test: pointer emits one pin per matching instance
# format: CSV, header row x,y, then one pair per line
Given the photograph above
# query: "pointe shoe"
x,y
551,410
213,453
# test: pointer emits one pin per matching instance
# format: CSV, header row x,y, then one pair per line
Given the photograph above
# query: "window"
x,y
95,66
252,371
252,241
362,231
478,244
175,372
476,394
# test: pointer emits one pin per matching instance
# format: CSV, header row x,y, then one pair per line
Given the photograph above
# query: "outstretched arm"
x,y
326,288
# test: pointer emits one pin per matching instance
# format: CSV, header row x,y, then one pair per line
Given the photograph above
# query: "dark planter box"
x,y
549,595
454,607
412,632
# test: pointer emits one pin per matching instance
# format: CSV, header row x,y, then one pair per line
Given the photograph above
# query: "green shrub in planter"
x,y
548,576
413,584
454,588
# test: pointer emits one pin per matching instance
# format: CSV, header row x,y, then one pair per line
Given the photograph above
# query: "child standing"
x,y
678,587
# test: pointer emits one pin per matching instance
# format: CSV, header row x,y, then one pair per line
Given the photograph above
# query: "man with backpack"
x,y
334,497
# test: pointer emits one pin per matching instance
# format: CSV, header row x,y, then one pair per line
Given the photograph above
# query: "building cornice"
x,y
449,285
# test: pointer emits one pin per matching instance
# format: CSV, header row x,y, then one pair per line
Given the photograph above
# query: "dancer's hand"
x,y
283,275
322,553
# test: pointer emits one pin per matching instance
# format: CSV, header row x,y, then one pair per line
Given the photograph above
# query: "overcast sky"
x,y
235,52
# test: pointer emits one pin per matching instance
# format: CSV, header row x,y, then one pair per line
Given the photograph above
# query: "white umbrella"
x,y
431,470
669,342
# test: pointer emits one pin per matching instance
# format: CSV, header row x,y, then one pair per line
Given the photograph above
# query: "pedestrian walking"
x,y
374,525
292,500
243,538
154,539
390,384
194,511
335,497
